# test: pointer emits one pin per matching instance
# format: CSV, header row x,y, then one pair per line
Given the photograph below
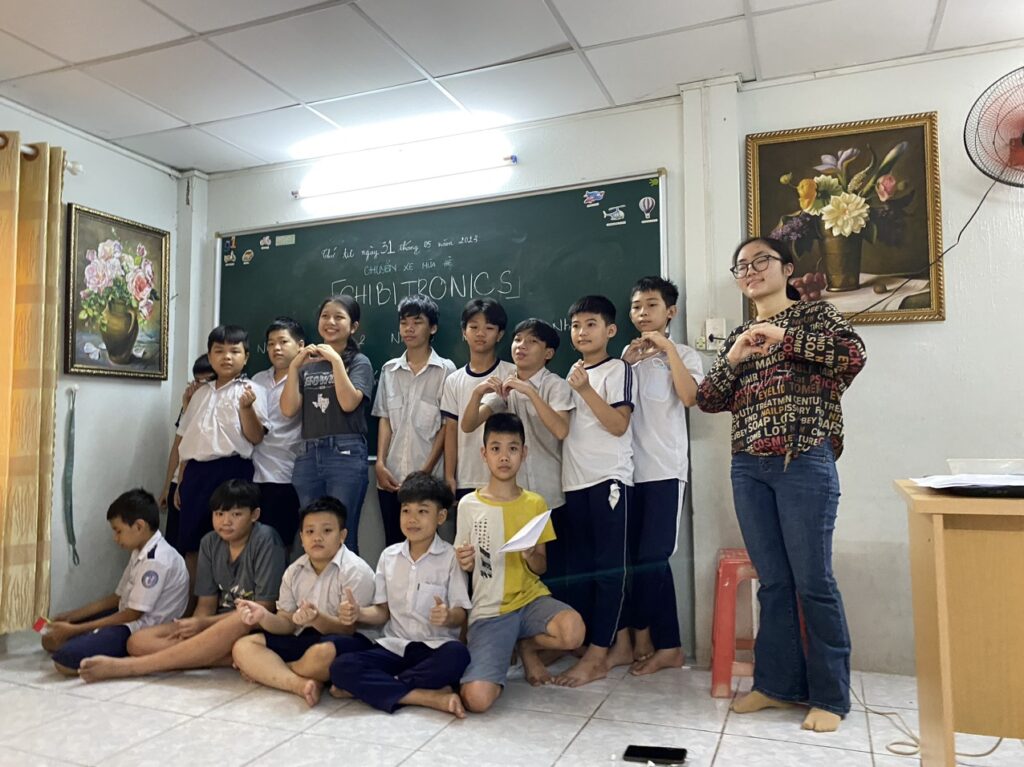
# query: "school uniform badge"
x,y
150,578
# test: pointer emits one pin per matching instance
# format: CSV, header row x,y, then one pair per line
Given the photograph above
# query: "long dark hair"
x,y
780,248
351,307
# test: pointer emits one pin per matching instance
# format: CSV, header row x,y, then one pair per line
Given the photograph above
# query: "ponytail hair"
x,y
783,252
351,307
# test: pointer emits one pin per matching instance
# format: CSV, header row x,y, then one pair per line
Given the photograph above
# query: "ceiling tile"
x,y
601,21
447,36
204,15
188,148
271,135
976,22
18,58
529,90
80,31
194,81
320,55
651,68
877,30
79,100
762,6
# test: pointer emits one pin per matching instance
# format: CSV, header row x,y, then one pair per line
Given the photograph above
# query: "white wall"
x,y
123,427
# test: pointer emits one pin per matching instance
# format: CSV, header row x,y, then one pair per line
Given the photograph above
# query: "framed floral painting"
x,y
116,307
858,205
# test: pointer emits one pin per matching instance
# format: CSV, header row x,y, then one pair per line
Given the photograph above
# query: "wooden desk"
x,y
967,569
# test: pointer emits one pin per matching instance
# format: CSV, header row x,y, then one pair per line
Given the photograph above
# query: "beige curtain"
x,y
30,237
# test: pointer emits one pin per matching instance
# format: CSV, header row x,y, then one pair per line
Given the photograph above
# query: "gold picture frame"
x,y
116,305
858,204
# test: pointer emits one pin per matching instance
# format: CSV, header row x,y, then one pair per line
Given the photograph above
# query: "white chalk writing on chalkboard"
x,y
507,286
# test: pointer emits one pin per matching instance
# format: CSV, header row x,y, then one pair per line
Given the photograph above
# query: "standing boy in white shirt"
x,y
667,378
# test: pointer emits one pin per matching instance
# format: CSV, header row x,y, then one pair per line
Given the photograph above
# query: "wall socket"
x,y
714,334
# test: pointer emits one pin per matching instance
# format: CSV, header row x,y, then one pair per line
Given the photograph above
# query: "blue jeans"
x,y
336,466
787,517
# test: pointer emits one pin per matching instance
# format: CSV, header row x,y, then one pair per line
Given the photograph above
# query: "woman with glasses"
x,y
781,375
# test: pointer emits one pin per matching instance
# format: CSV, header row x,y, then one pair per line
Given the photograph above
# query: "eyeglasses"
x,y
759,264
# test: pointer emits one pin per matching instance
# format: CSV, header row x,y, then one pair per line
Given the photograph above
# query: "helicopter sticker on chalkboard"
x,y
616,214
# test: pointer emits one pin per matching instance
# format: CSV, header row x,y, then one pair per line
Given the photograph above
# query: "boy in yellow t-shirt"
x,y
510,603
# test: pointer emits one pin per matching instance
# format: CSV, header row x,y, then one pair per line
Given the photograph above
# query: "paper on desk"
x,y
942,481
527,536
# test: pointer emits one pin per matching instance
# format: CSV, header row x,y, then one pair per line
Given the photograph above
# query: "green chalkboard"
x,y
535,253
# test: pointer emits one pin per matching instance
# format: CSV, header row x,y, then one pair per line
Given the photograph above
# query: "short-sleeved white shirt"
x,y
660,443
211,427
155,582
591,454
274,458
541,472
327,589
470,471
409,589
412,404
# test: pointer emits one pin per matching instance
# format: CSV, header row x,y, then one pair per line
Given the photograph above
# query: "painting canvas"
x,y
116,307
858,205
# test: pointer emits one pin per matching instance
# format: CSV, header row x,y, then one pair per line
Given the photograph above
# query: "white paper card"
x,y
528,534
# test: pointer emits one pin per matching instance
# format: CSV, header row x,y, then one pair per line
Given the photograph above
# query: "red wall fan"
x,y
994,131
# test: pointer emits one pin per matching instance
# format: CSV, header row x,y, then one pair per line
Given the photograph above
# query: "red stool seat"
x,y
734,567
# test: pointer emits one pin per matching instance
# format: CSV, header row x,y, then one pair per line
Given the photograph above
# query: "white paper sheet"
x,y
528,534
942,481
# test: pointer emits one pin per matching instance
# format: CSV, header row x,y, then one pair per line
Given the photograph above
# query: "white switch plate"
x,y
714,333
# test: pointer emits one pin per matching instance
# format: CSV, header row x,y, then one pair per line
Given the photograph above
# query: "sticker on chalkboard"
x,y
284,239
265,242
227,245
616,215
247,257
230,258
646,205
592,198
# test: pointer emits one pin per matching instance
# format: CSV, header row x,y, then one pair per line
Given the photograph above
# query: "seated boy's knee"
x,y
479,696
65,670
50,643
570,629
322,653
243,645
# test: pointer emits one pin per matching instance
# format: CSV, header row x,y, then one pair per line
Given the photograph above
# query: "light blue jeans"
x,y
336,466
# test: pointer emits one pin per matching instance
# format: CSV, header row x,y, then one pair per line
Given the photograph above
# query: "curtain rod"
x,y
71,166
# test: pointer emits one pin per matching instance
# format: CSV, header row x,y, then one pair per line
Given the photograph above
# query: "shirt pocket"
x,y
426,418
423,601
656,381
395,403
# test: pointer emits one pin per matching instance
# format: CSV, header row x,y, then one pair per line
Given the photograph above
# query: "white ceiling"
x,y
227,84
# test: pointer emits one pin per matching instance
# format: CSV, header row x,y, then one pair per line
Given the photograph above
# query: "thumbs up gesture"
x,y
466,555
306,614
250,612
348,610
439,613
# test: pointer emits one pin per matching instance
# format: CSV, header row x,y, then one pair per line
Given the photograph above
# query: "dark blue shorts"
x,y
291,647
109,640
198,481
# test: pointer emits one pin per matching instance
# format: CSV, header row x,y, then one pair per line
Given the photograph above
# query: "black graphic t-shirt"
x,y
322,415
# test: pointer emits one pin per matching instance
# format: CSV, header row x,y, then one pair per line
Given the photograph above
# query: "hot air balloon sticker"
x,y
647,207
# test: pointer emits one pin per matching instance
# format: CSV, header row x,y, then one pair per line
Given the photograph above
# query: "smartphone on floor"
x,y
654,754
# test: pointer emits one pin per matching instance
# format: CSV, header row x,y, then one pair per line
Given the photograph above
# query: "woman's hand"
x,y
756,340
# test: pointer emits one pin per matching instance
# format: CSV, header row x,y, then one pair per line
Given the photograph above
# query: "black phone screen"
x,y
656,754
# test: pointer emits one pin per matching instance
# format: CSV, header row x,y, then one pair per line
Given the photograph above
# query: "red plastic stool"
x,y
734,567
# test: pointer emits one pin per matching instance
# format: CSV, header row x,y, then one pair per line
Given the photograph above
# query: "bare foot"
x,y
821,721
537,673
755,701
674,658
311,691
242,674
621,653
101,667
643,647
337,692
585,670
442,700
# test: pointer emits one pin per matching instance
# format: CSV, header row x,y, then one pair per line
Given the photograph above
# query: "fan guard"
x,y
994,130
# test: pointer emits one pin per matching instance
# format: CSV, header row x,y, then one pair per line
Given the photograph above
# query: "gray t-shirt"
x,y
255,574
322,415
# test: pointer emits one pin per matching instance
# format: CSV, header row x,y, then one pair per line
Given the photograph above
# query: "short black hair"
x,y
235,494
492,311
504,423
420,486
133,505
202,366
325,504
418,305
668,290
292,327
228,334
783,252
601,305
544,331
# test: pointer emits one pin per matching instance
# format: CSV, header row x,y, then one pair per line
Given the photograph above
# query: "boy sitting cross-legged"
x,y
420,597
241,558
509,601
312,590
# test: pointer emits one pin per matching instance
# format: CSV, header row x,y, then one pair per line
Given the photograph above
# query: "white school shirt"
x,y
326,589
470,470
274,458
155,582
541,472
408,588
211,427
591,454
660,443
412,404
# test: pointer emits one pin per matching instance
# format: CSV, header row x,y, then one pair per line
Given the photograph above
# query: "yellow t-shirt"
x,y
502,583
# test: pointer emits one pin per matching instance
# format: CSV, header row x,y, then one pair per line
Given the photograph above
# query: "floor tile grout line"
x,y
589,719
185,721
294,735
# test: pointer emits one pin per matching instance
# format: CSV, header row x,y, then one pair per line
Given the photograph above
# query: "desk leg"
x,y
931,640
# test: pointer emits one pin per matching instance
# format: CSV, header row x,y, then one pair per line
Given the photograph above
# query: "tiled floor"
x,y
216,718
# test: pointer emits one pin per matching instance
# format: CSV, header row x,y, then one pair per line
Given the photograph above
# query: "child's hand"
x,y
190,389
306,354
58,632
491,384
385,479
306,614
163,497
177,496
251,612
656,340
450,481
248,397
466,554
439,613
187,627
327,352
514,383
348,610
578,378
